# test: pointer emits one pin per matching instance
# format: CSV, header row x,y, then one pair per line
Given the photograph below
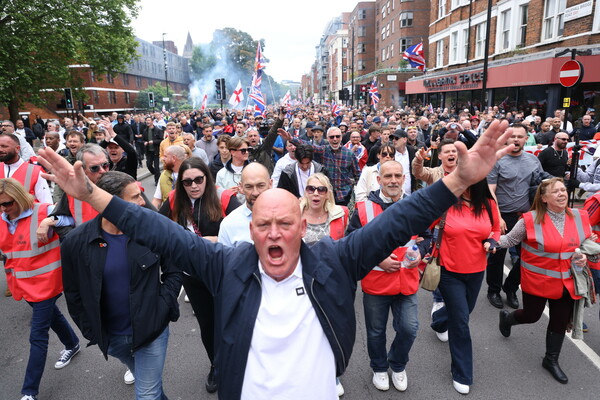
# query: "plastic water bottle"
x,y
576,257
411,255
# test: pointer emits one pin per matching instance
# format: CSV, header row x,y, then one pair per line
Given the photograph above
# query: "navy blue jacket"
x,y
330,272
152,303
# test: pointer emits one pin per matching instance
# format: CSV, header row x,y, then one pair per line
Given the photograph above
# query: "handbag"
x,y
431,275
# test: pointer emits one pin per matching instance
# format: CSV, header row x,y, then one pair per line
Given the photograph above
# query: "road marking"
x,y
580,344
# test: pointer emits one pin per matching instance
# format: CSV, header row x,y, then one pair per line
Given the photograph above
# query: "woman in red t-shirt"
x,y
469,223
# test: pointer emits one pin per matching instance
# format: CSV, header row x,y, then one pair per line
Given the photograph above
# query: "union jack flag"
x,y
259,102
415,56
335,109
374,92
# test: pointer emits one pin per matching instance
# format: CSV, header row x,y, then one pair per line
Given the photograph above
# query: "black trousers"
x,y
153,164
561,311
204,309
495,265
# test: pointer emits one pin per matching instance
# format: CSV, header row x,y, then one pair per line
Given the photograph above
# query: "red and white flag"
x,y
204,100
238,95
286,99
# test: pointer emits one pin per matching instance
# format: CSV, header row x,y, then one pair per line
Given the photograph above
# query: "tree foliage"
x,y
40,39
160,91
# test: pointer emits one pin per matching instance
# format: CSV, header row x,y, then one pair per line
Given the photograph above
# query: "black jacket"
x,y
215,165
128,163
330,270
152,303
288,179
124,130
263,153
154,135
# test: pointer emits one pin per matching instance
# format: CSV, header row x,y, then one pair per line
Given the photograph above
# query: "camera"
x,y
263,128
453,126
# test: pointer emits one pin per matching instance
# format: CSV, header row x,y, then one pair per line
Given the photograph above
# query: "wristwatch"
x,y
54,217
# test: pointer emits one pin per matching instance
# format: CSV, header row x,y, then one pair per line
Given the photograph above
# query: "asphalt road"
x,y
504,368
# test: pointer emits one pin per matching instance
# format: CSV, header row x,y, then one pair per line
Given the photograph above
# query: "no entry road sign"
x,y
570,73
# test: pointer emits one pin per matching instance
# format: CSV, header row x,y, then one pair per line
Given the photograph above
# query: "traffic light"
x,y
150,99
220,92
346,94
361,92
68,98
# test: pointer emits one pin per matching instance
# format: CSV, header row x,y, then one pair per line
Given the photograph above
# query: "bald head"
x,y
255,180
277,229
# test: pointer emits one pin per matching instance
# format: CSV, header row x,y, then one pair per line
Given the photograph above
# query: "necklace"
x,y
556,152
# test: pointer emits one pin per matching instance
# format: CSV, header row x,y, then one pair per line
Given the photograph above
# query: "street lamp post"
x,y
165,62
352,69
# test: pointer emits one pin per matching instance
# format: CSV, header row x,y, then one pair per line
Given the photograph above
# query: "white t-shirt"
x,y
290,356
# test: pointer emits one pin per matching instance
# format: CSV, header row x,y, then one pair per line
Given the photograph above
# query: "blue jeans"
x,y
46,316
405,323
146,363
460,293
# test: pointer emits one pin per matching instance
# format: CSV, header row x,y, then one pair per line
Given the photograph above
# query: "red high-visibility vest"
x,y
337,227
595,228
546,255
81,211
33,270
378,282
27,174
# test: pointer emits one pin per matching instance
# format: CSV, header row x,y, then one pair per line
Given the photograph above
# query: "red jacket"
x,y
546,255
33,270
378,282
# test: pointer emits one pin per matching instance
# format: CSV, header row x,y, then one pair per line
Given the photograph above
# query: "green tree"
x,y
40,39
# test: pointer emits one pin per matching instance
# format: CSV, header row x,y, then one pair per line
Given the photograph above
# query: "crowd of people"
x,y
273,220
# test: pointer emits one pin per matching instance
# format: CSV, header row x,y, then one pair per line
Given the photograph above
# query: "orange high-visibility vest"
x,y
595,228
33,270
546,255
81,211
27,174
337,227
378,282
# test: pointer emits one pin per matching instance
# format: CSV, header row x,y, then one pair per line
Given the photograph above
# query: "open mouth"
x,y
275,252
451,159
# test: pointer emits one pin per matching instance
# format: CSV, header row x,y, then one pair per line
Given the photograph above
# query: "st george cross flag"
x,y
374,92
204,100
415,56
286,99
238,95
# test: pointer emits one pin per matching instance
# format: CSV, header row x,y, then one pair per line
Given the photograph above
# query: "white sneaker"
x,y
66,356
186,299
460,388
340,388
28,397
381,380
442,336
128,378
436,306
400,380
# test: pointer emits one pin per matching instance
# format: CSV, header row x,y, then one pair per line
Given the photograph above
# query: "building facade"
x,y
528,42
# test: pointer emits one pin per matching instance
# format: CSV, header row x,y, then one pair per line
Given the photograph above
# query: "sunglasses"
x,y
334,136
310,189
386,154
565,139
10,203
96,168
199,180
243,151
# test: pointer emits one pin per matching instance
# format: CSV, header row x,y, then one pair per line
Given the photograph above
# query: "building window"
x,y
480,40
125,79
441,8
362,14
439,53
383,33
383,12
505,32
453,47
127,98
391,50
96,97
362,48
405,44
92,75
383,54
454,4
110,78
392,26
554,23
466,39
406,19
361,65
138,81
362,31
523,13
387,31
112,97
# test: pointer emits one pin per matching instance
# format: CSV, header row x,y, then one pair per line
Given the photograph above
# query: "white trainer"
x,y
436,306
381,380
128,378
186,299
400,380
442,336
460,388
339,388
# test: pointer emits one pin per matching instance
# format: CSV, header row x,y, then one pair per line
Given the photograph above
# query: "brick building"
x,y
109,93
525,40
